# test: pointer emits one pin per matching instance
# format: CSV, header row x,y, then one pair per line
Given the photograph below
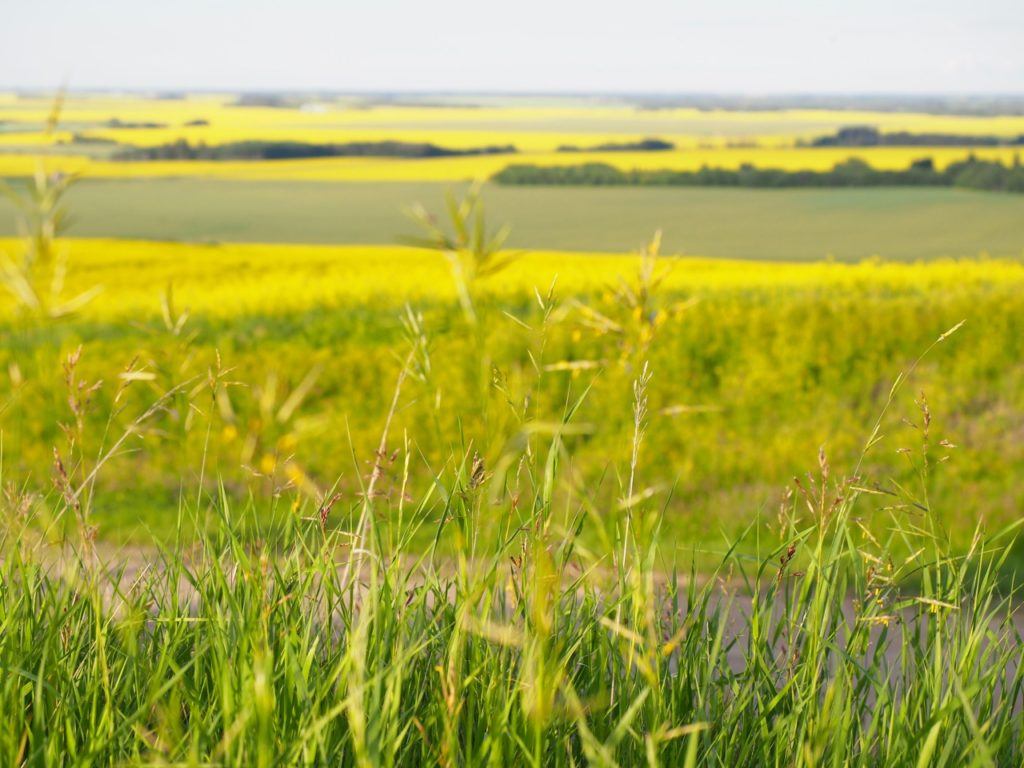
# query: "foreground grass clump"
x,y
327,637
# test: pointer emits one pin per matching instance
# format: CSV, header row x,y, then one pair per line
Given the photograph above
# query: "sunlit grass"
x,y
328,632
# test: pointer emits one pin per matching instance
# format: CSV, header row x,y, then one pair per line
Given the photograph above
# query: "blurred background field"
x,y
94,127
779,325
538,122
360,199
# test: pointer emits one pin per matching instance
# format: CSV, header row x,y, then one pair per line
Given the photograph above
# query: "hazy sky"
x,y
741,46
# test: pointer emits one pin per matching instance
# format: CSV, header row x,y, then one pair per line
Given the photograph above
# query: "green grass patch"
x,y
900,224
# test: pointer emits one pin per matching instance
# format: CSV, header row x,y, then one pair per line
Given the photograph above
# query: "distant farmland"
x,y
848,224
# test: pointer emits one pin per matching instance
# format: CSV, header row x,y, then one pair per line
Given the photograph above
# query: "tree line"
x,y
868,136
294,150
971,173
644,145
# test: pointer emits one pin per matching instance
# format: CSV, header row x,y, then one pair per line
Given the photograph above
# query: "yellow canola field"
x,y
533,126
717,138
450,169
224,280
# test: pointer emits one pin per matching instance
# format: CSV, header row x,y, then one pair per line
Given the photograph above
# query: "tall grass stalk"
x,y
267,642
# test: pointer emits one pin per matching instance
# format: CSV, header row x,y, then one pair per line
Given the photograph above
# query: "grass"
x,y
792,225
326,634
498,579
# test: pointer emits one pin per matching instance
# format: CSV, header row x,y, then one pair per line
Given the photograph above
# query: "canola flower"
x,y
743,352
222,280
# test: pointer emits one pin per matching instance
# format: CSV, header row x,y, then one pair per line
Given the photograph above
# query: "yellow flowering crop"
x,y
227,279
717,138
